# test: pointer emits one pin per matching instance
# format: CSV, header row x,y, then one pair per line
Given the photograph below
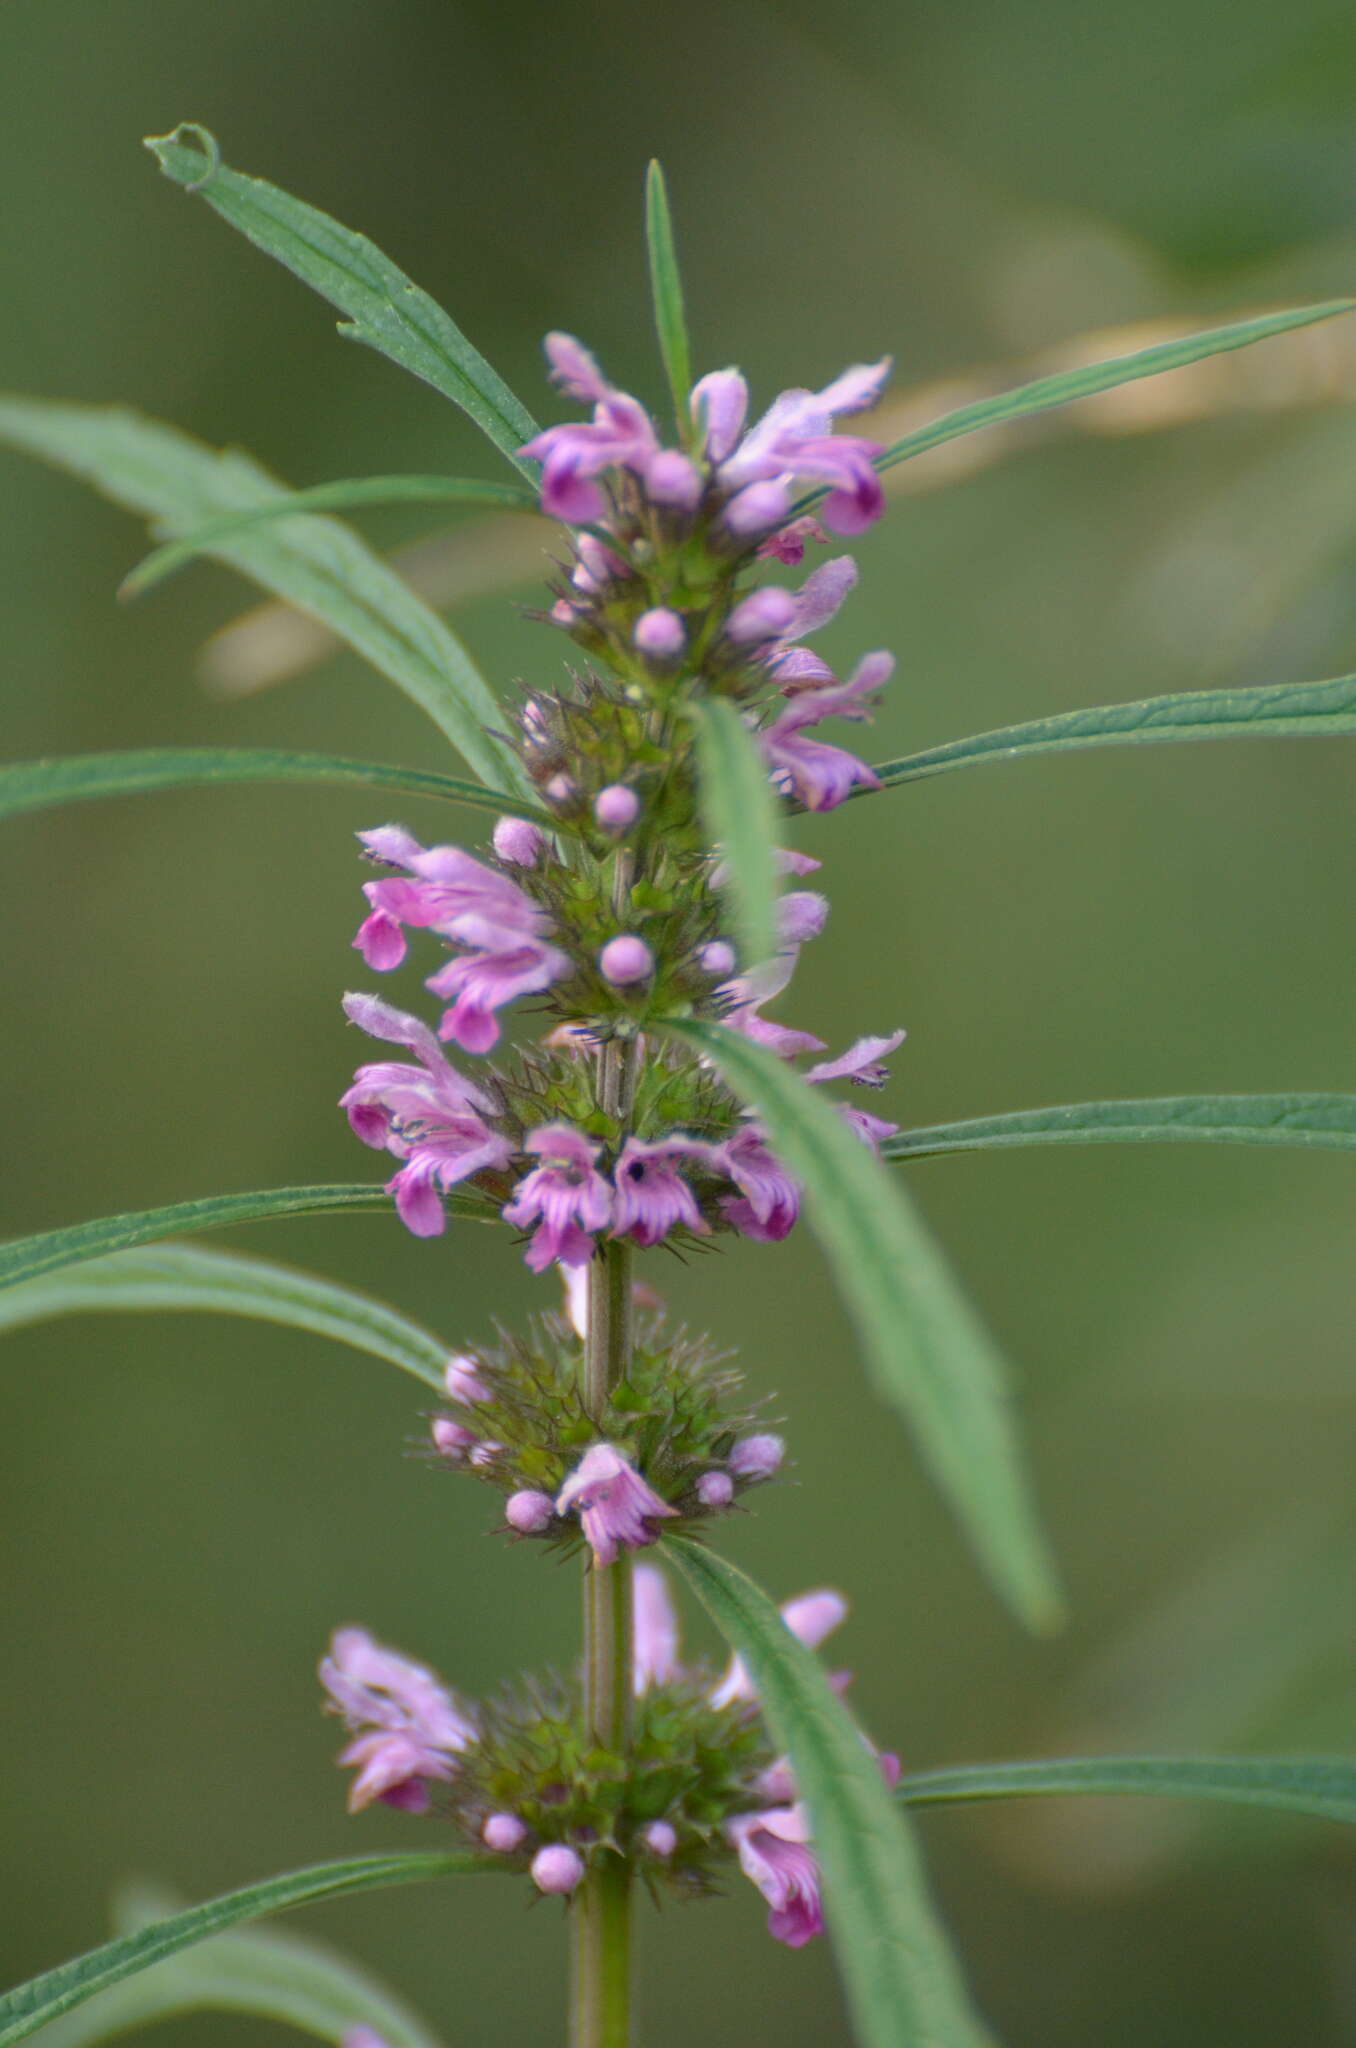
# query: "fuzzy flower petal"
x,y
652,1197
773,1851
655,1656
614,1504
565,1196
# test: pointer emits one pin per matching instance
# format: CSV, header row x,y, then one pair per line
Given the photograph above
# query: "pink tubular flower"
x,y
810,1619
620,435
816,774
616,1508
416,1730
818,600
652,1198
428,1115
795,438
773,1851
654,1657
769,1200
566,1196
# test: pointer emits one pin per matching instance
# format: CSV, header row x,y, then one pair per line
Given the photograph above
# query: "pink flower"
x,y
862,1062
818,600
795,438
415,1728
620,435
769,1200
773,1851
428,1115
566,1196
652,1198
816,774
810,1619
616,1508
654,1658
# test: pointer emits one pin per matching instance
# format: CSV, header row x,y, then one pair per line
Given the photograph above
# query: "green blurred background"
x,y
192,1504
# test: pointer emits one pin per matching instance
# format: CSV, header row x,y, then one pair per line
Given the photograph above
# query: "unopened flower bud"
x,y
757,1457
671,479
485,1454
560,789
451,1439
762,615
625,960
529,1512
717,958
616,807
519,841
504,1832
462,1381
659,633
757,506
715,1489
563,613
556,1868
659,1838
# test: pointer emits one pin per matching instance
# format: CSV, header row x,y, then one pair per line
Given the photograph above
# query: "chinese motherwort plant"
x,y
608,1064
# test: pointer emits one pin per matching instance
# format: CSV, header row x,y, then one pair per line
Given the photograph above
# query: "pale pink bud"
x,y
518,840
556,1868
757,506
560,789
670,479
757,1457
763,615
616,807
659,1838
715,1489
504,1832
463,1382
659,633
528,1512
717,958
563,613
451,1439
485,1454
625,960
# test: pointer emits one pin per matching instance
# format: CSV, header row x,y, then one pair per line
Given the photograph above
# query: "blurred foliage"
x,y
191,1510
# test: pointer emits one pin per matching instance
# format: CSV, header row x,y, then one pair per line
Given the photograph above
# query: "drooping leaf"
x,y
901,1980
25,1258
44,1998
317,564
268,1973
1321,1122
926,1349
666,289
343,495
739,812
1091,378
383,308
1325,1786
76,778
180,1278
1272,711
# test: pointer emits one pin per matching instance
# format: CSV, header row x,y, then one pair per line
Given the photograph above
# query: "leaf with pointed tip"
x,y
383,308
666,290
1325,1786
315,563
181,1278
1271,711
901,1980
1090,378
265,1972
77,778
739,812
30,2006
927,1351
25,1258
1320,1122
341,496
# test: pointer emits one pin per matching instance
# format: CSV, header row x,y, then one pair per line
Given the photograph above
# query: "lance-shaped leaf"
x,y
317,564
44,1998
926,1349
268,1973
382,306
1091,378
1325,1786
78,778
180,1278
25,1258
344,495
739,812
666,289
1321,1122
901,1980
1272,711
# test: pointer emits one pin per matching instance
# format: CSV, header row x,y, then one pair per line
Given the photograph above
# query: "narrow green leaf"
x,y
76,778
181,1278
339,496
1322,1122
1325,1786
1091,378
25,1258
926,1349
739,812
666,288
383,308
901,1980
44,1998
317,564
269,1974
1272,711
